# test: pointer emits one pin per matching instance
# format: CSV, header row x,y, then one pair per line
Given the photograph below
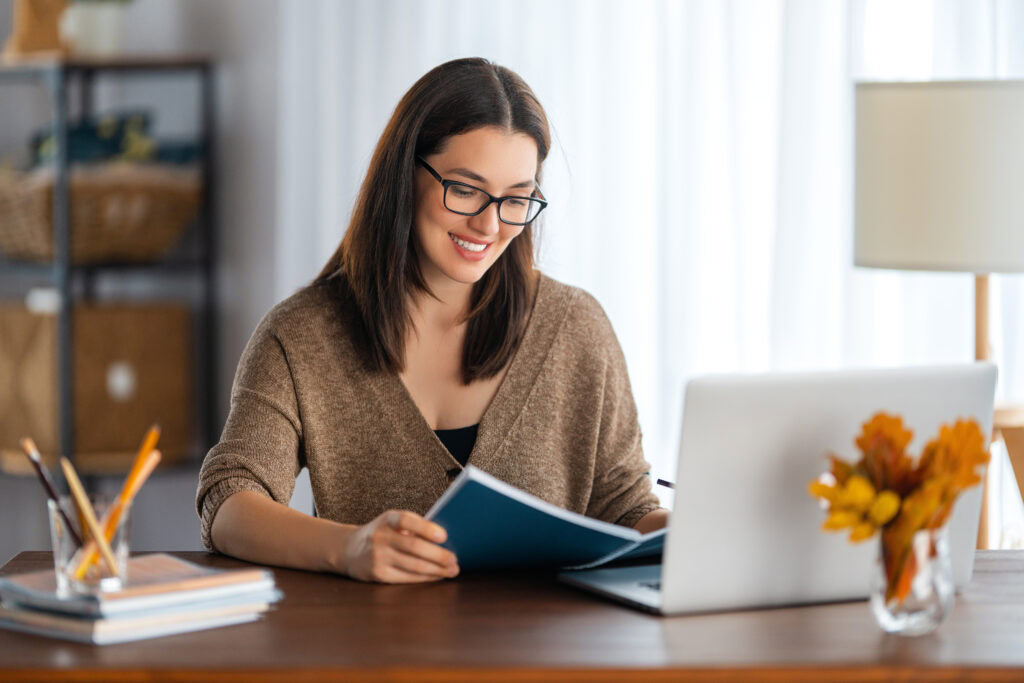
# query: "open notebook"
x,y
493,525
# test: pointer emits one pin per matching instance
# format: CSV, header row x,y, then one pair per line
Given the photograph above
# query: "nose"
x,y
486,222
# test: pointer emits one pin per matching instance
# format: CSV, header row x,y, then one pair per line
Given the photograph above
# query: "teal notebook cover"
x,y
492,525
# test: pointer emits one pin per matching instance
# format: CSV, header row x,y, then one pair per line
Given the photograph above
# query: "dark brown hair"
x,y
378,259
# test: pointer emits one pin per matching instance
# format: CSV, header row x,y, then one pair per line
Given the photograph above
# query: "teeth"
x,y
468,246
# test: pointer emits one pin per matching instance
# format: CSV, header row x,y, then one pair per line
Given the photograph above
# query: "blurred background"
x,y
701,185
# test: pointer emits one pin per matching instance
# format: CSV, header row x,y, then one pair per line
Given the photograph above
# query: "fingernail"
x,y
439,536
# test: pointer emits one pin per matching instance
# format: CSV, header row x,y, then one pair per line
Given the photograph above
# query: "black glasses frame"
x,y
445,183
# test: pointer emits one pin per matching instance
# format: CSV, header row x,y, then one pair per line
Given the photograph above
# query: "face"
x,y
461,248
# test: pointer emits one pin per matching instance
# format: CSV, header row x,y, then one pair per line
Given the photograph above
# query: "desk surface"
x,y
528,627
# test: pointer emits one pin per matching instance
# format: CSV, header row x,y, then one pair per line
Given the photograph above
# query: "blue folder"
x,y
492,525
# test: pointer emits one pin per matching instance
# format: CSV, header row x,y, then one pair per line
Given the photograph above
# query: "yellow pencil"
x,y
113,516
148,444
82,501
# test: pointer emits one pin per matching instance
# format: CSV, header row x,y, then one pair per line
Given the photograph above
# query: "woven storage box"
x,y
132,367
120,211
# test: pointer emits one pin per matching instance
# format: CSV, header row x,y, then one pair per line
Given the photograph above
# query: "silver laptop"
x,y
744,532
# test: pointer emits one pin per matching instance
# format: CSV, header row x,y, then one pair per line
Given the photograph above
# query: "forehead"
x,y
504,158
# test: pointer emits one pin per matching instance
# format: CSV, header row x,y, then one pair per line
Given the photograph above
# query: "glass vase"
x,y
912,588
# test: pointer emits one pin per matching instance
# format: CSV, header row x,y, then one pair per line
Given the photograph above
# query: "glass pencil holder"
x,y
85,569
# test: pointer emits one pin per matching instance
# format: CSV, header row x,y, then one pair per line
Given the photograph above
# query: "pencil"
x,y
113,515
82,501
44,478
148,444
111,519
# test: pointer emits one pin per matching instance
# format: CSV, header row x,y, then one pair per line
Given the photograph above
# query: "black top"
x,y
459,442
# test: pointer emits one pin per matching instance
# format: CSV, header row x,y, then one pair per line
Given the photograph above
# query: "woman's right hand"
x,y
399,546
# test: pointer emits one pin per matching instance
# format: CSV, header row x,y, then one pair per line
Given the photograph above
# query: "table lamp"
x,y
939,186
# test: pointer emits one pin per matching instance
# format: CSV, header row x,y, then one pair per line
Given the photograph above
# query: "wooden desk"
x,y
530,628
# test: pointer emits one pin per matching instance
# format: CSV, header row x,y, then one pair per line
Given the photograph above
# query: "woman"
x,y
428,341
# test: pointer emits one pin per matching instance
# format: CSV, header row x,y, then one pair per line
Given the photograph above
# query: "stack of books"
x,y
163,595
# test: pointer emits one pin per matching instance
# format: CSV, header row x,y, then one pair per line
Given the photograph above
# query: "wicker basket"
x,y
120,211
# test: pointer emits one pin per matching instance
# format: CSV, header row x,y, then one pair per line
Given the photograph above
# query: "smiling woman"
x,y
427,342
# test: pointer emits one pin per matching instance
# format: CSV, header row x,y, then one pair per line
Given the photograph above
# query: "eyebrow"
x,y
465,172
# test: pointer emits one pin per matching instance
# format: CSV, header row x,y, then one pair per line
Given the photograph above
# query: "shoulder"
x,y
311,324
581,318
302,334
316,309
580,311
315,303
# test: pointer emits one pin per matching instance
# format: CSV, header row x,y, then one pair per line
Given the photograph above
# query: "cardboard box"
x,y
132,367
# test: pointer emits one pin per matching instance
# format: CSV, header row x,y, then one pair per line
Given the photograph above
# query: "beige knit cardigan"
x,y
562,426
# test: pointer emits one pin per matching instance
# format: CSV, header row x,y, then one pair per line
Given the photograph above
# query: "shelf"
x,y
40,65
48,270
14,463
75,78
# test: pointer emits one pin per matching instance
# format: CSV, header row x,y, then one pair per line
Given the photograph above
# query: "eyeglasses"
x,y
467,200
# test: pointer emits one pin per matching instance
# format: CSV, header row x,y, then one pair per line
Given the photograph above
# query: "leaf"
x,y
883,441
840,469
900,588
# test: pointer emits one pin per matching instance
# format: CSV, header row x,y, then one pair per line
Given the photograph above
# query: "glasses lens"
x,y
519,210
464,199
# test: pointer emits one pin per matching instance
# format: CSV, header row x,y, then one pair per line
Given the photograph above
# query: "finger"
x,y
417,547
396,575
404,520
417,565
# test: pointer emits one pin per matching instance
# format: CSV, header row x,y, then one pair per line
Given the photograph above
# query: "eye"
x,y
517,203
460,191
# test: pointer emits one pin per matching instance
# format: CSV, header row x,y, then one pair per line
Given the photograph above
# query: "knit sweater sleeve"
x,y
259,449
621,490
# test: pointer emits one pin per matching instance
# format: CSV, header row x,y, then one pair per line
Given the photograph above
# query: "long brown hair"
x,y
378,259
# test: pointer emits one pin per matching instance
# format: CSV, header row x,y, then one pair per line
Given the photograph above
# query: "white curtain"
x,y
701,180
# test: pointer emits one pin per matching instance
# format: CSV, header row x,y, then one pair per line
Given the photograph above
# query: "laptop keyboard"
x,y
653,585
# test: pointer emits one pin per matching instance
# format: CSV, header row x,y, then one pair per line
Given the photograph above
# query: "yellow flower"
x,y
840,519
884,508
820,489
857,493
862,532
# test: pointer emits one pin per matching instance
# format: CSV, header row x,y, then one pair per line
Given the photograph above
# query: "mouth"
x,y
472,247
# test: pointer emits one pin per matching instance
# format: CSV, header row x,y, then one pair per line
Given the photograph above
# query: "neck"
x,y
448,306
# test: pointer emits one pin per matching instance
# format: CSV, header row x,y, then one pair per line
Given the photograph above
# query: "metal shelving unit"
x,y
74,282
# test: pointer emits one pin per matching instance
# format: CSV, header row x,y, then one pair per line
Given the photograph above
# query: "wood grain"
x,y
527,627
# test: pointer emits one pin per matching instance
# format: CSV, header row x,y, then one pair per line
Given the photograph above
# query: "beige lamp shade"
x,y
939,178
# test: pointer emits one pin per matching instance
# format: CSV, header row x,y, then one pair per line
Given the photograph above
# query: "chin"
x,y
467,276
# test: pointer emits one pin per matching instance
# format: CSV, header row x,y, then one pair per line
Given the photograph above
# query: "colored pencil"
x,y
44,478
82,501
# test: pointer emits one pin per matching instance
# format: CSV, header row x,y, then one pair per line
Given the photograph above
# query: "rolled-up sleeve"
x,y
259,449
